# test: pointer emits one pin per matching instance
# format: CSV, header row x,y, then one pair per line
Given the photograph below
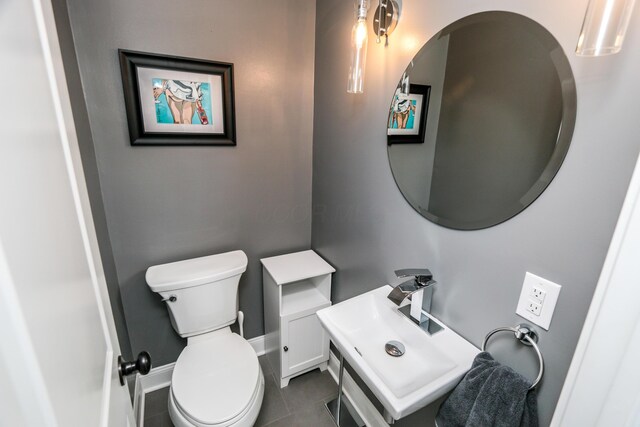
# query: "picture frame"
x,y
407,120
172,100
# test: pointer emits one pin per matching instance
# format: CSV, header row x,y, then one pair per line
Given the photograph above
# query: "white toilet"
x,y
217,380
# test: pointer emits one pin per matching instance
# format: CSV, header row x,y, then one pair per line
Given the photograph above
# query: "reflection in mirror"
x,y
486,122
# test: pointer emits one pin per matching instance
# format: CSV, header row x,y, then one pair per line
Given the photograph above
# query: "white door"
x,y
58,346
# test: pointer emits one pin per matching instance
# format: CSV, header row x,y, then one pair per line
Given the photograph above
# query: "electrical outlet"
x,y
534,308
538,300
538,294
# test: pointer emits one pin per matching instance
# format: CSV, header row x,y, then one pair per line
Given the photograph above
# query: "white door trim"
x,y
601,386
62,106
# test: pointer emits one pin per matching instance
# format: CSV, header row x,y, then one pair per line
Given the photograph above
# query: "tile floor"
x,y
299,404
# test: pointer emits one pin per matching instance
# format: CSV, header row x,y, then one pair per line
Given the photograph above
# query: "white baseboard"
x,y
160,377
258,345
363,406
156,379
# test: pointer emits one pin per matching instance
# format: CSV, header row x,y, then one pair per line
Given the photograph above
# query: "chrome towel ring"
x,y
526,336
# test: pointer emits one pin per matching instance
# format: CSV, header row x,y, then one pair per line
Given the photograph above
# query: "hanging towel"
x,y
490,395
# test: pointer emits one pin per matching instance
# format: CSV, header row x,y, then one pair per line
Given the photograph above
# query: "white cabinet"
x,y
295,286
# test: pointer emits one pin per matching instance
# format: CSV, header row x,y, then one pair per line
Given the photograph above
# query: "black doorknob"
x,y
142,365
286,348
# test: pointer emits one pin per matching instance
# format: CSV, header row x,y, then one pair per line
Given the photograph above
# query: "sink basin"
x,y
430,367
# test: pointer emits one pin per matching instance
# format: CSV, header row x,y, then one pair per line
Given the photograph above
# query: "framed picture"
x,y
408,115
177,101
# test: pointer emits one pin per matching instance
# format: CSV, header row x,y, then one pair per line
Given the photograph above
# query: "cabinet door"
x,y
305,340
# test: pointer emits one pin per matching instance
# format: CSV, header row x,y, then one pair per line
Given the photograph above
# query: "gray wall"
x,y
90,167
364,227
164,204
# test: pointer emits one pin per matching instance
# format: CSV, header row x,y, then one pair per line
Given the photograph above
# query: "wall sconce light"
x,y
384,22
604,27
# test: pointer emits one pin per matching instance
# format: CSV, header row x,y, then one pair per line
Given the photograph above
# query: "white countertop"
x,y
296,266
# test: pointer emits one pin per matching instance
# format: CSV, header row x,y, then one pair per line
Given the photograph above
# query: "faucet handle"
x,y
422,275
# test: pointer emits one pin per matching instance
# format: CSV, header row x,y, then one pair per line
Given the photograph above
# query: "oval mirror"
x,y
481,120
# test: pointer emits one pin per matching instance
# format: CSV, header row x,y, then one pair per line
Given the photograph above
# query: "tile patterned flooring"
x,y
299,404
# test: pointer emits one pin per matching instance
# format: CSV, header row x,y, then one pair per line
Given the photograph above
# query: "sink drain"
x,y
394,348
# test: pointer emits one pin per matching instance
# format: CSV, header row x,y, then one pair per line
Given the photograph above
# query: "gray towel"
x,y
490,395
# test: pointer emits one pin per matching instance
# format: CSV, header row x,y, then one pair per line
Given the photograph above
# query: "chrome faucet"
x,y
419,289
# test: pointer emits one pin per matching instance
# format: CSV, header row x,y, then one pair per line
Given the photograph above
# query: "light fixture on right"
x,y
604,27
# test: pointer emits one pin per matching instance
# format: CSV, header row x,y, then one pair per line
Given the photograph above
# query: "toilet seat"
x,y
246,419
216,381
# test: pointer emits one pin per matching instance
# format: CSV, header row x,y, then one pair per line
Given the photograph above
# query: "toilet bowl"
x,y
217,379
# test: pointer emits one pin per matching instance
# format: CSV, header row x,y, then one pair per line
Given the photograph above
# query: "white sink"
x,y
431,366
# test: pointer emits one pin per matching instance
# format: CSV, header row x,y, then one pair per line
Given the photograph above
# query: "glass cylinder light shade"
x,y
359,39
604,27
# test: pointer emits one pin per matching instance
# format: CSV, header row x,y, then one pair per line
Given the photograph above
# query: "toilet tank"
x,y
201,293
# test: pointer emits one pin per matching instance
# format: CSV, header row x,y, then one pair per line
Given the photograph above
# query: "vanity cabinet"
x,y
295,287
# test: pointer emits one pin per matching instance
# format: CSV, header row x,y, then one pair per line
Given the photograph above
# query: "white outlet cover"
x,y
552,291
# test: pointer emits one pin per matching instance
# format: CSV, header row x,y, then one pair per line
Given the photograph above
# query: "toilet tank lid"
x,y
195,271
